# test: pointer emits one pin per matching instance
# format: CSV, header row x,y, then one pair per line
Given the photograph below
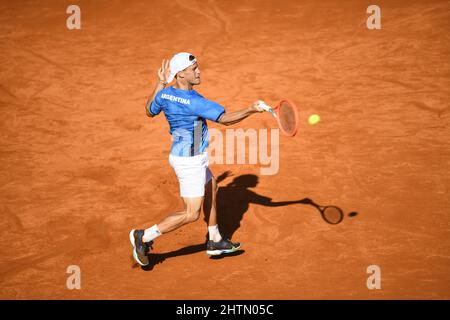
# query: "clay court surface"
x,y
81,164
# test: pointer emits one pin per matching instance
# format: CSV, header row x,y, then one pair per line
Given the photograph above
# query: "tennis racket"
x,y
286,115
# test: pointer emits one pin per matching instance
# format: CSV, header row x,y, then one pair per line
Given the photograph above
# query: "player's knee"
x,y
192,215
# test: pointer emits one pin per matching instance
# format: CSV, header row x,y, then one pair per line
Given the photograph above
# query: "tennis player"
x,y
186,112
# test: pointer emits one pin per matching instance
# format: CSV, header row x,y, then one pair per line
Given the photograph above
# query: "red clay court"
x,y
81,164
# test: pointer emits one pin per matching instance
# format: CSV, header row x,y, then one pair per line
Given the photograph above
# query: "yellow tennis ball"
x,y
313,119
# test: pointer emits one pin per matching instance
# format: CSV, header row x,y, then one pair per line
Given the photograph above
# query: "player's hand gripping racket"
x,y
285,113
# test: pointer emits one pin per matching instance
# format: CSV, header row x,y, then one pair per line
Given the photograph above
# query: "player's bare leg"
x,y
210,209
190,214
211,196
141,240
216,244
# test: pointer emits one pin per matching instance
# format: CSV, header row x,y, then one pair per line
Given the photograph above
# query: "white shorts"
x,y
192,173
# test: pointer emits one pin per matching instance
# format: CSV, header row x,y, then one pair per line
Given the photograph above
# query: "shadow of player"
x,y
157,258
232,202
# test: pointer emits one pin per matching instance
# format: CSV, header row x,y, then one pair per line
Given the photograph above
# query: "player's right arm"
x,y
163,74
229,118
215,112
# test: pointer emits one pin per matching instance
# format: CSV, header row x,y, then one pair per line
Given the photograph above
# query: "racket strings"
x,y
288,119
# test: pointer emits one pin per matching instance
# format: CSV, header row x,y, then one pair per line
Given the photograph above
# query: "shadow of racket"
x,y
331,214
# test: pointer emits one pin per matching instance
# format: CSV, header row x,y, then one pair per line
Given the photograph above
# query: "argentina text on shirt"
x,y
175,99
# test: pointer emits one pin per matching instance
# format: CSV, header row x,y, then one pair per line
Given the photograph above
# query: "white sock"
x,y
151,234
214,233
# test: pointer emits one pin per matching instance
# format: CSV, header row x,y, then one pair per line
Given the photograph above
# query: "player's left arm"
x,y
163,74
159,86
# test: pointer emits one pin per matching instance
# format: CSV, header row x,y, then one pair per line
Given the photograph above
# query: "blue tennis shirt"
x,y
186,111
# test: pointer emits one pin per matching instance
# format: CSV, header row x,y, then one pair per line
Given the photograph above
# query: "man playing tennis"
x,y
187,112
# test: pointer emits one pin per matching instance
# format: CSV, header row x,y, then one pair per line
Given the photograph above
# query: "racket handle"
x,y
273,113
269,109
